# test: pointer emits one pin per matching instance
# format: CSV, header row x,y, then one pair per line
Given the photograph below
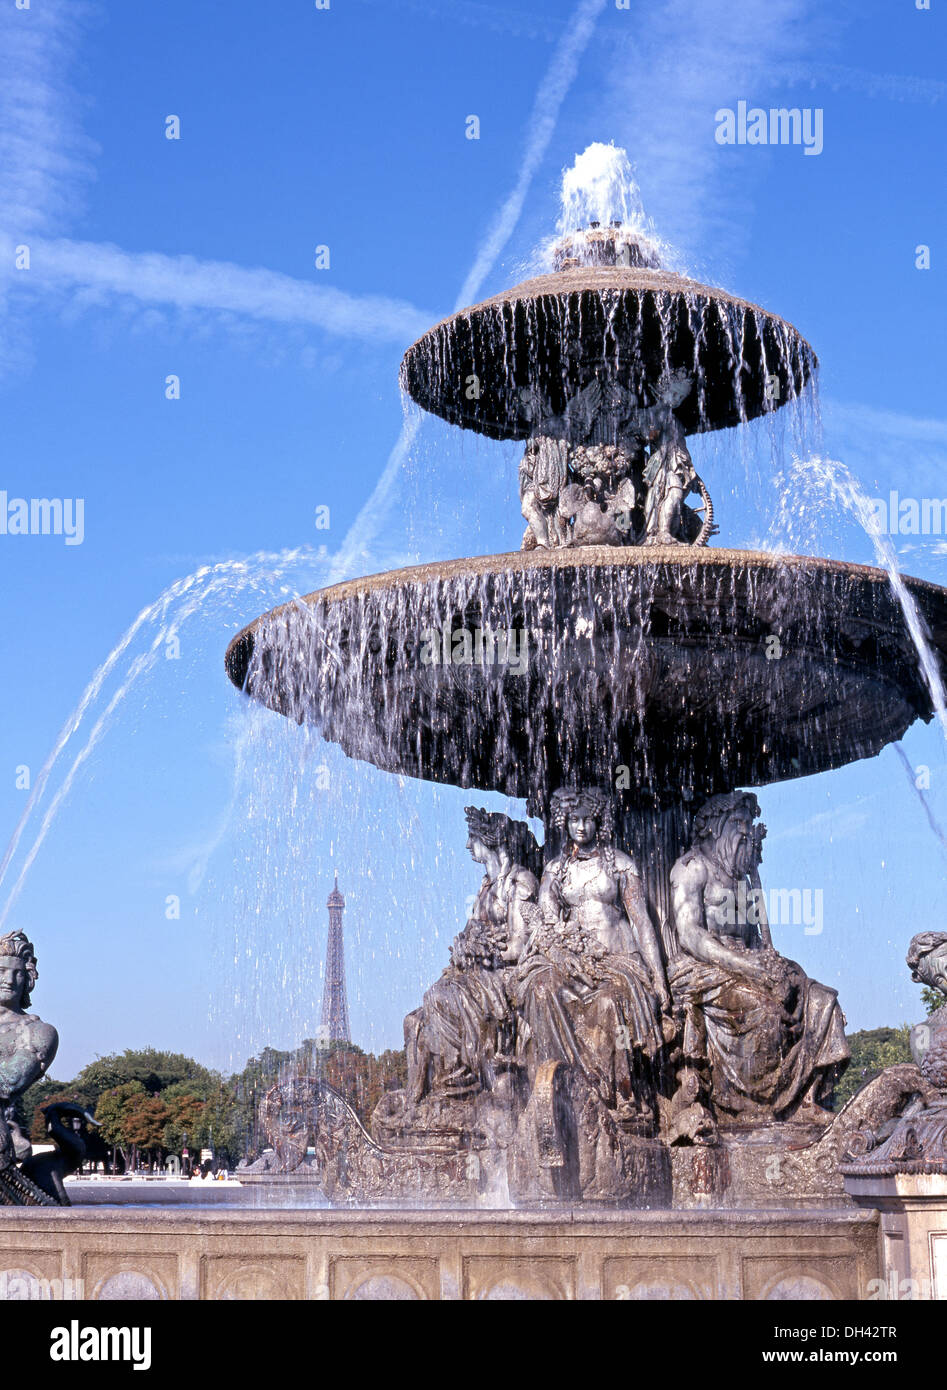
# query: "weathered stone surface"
x,y
93,1252
557,333
664,663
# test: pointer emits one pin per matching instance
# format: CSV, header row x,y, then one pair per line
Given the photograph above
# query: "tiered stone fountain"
x,y
608,1031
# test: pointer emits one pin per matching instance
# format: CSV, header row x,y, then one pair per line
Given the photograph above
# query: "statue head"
x,y
492,830
18,973
927,959
724,827
585,813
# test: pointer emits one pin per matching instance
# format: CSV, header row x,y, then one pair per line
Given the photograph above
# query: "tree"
x,y
155,1070
932,999
143,1123
184,1116
111,1111
873,1049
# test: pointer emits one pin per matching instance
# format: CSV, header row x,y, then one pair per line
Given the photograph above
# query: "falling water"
x,y
158,624
601,187
813,478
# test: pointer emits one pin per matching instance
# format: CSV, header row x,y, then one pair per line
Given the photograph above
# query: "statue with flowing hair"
x,y
766,1042
591,989
460,1041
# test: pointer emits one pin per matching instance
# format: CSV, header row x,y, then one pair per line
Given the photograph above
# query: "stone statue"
x,y
670,476
460,1041
927,962
584,474
27,1047
914,1141
543,474
591,988
767,1042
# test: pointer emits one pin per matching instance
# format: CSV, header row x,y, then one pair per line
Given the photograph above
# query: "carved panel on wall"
x,y
791,1277
384,1278
131,1276
660,1278
247,1278
504,1278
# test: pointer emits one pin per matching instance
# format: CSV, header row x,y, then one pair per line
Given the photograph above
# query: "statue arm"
x,y
519,929
550,903
636,906
687,885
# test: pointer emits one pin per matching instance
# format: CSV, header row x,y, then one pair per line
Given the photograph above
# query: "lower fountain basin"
x,y
668,671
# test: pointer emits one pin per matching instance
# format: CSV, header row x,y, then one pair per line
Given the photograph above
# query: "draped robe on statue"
x,y
764,1053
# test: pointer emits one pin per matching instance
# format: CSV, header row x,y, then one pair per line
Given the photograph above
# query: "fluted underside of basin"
x,y
668,671
557,333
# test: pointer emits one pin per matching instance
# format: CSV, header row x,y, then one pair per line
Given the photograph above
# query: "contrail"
x,y
552,93
190,283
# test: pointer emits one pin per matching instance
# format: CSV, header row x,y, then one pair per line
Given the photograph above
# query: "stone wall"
x,y
241,1253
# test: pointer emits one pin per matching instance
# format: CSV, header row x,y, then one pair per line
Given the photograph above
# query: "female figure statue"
x,y
461,1038
591,988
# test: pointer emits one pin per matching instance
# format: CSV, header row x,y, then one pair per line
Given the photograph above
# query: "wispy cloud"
x,y
45,161
890,86
44,157
102,272
678,64
552,92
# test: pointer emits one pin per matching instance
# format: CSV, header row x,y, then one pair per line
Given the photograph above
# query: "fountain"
x,y
618,1087
615,1028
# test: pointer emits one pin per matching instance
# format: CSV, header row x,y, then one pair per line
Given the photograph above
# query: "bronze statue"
x,y
27,1047
670,476
768,1042
584,475
591,988
461,1039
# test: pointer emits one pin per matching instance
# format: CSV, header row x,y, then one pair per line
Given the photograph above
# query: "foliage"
x,y
147,1100
932,999
873,1049
155,1071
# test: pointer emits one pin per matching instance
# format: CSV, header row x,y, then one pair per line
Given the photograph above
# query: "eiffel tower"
x,y
335,1009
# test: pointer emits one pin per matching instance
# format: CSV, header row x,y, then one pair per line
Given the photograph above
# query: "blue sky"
x,y
194,257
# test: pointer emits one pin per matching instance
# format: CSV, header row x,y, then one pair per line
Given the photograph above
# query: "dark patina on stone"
x,y
558,332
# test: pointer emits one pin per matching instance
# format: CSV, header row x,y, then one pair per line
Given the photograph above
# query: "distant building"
x,y
335,1009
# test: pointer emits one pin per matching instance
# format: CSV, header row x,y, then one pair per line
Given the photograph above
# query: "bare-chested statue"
x,y
584,478
27,1047
461,1038
591,988
768,1041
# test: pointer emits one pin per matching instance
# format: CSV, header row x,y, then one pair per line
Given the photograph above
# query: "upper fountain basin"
x,y
556,334
691,671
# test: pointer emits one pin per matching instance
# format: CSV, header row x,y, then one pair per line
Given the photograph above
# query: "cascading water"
x,y
643,664
210,589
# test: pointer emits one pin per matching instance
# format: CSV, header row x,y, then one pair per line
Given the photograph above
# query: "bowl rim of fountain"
x,y
579,557
863,695
740,394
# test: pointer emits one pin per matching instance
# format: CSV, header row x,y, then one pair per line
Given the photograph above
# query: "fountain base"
x,y
238,1253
